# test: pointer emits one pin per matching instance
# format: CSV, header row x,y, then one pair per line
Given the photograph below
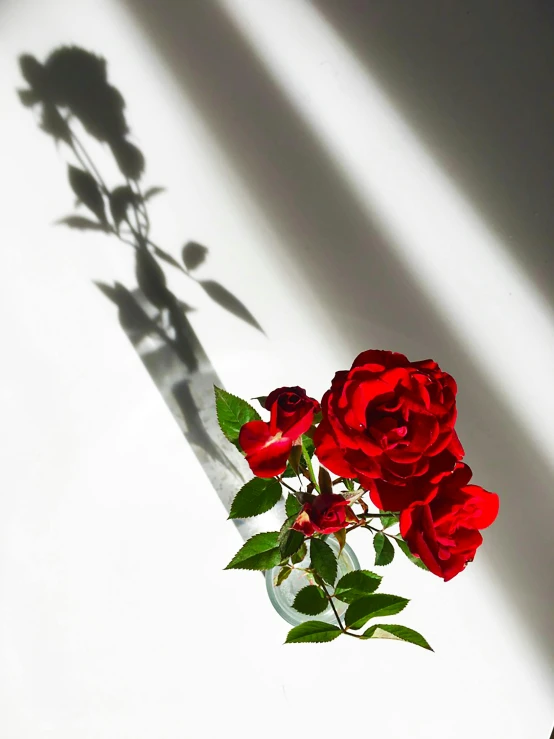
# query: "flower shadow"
x,y
70,94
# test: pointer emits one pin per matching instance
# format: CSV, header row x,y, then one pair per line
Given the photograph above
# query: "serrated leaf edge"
x,y
377,613
334,558
382,536
253,515
217,389
330,627
236,567
373,576
393,637
324,600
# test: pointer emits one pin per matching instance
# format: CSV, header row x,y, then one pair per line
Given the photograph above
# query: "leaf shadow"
x,y
70,86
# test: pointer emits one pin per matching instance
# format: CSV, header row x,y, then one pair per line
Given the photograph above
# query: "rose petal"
x,y
253,436
272,459
266,453
329,453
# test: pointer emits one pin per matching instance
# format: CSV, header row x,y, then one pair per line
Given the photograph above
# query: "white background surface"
x,y
281,153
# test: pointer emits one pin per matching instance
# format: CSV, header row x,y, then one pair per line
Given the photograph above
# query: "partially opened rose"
x,y
389,419
324,514
267,446
444,532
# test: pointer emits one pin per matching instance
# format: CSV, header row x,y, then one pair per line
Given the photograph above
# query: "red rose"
x,y
444,532
293,410
268,445
325,514
394,497
391,420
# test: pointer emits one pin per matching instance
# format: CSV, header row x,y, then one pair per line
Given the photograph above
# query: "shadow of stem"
x,y
71,87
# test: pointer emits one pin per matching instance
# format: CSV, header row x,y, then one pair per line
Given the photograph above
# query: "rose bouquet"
x,y
389,460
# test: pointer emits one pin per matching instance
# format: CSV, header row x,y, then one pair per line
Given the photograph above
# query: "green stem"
x,y
355,526
391,536
308,461
288,486
381,531
347,483
330,599
369,528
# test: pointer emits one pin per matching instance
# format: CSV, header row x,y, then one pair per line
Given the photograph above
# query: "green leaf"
x,y
370,606
283,574
324,479
298,556
289,472
308,445
349,484
387,521
384,551
257,496
405,549
86,189
355,585
392,631
312,631
292,505
289,540
258,553
294,458
317,579
311,600
307,453
232,414
340,536
323,560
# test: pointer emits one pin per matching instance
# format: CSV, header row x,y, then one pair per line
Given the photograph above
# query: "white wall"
x,y
115,617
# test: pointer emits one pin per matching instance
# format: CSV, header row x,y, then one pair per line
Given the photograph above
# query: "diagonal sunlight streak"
x,y
489,302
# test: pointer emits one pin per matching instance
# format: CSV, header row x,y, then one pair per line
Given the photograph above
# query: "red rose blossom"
x,y
444,532
267,446
388,419
324,514
394,497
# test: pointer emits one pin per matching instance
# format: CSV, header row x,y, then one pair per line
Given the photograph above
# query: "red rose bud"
x,y
444,531
388,419
325,514
293,410
267,446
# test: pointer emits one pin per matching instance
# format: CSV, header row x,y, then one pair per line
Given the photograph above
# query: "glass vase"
x,y
282,596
